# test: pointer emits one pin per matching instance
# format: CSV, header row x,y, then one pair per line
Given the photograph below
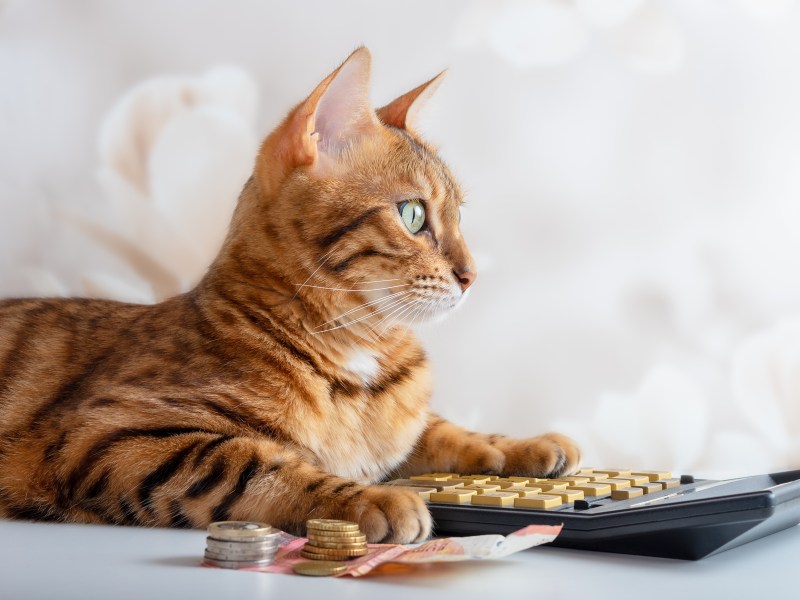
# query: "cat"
x,y
287,382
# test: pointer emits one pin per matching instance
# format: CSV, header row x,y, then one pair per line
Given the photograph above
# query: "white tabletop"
x,y
86,562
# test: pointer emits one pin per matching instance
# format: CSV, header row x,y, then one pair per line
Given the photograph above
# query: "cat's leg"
x,y
189,478
445,447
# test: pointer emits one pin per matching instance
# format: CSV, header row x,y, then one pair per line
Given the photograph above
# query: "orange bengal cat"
x,y
287,382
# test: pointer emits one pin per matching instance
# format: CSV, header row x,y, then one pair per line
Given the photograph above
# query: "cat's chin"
x,y
437,311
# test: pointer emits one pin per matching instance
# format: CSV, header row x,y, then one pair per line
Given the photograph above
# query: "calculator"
x,y
649,513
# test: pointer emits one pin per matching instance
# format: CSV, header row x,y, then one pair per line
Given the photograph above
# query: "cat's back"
x,y
47,342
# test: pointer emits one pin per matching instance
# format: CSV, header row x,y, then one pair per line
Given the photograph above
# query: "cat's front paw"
x,y
549,455
391,515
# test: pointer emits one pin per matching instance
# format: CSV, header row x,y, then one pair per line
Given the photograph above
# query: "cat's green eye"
x,y
413,214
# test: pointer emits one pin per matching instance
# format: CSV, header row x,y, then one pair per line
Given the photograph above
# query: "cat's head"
x,y
356,204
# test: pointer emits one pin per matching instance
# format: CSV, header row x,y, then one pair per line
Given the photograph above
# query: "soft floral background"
x,y
632,167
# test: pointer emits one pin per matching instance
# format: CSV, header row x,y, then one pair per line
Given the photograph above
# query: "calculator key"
x,y
613,472
547,486
460,496
670,483
466,482
506,483
654,475
440,486
634,479
495,499
482,489
540,501
478,479
592,489
423,492
522,480
448,475
576,479
567,496
616,484
627,494
524,492
649,488
430,478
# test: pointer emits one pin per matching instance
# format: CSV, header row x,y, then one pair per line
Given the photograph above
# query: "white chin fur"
x,y
435,310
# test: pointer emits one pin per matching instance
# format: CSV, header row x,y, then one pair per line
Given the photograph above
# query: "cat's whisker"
x,y
394,317
362,306
354,321
322,260
335,289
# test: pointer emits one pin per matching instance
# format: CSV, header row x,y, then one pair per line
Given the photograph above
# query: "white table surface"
x,y
86,562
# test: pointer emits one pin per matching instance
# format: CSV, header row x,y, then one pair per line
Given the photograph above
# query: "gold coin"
x,y
320,568
338,552
315,556
331,525
337,539
338,546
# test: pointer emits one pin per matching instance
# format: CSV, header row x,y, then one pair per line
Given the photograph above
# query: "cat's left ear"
x,y
403,112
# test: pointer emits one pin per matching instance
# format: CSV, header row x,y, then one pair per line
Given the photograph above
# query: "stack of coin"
x,y
237,544
333,540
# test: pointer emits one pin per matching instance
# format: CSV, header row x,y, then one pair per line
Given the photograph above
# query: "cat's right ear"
x,y
334,114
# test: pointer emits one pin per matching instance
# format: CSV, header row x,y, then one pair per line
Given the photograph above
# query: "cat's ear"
x,y
336,112
403,112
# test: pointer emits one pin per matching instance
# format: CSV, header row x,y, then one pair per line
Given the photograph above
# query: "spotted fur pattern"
x,y
287,382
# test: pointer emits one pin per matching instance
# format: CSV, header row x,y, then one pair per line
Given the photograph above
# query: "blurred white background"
x,y
632,169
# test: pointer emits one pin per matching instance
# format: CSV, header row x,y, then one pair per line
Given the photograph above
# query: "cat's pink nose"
x,y
465,278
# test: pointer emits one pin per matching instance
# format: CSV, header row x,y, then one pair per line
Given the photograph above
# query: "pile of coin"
x,y
333,540
237,544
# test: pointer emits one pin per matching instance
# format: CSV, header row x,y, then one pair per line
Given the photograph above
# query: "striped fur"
x,y
287,382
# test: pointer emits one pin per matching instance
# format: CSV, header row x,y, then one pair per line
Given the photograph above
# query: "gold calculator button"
x,y
551,485
506,483
430,478
634,479
592,489
627,493
448,475
670,483
461,496
482,489
540,501
524,492
567,496
654,475
584,470
576,479
616,484
613,472
649,488
423,492
522,480
495,499
465,482
477,479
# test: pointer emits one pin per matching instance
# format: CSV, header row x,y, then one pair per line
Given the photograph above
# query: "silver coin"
x,y
237,564
223,546
239,557
226,530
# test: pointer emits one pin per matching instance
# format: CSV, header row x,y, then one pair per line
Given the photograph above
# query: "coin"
x,y
331,525
337,539
315,556
337,545
320,568
237,530
237,564
224,546
338,552
238,556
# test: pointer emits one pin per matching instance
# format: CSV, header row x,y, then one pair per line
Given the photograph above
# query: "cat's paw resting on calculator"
x,y
548,455
391,515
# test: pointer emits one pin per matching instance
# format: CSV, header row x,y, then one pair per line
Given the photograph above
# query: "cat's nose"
x,y
465,278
